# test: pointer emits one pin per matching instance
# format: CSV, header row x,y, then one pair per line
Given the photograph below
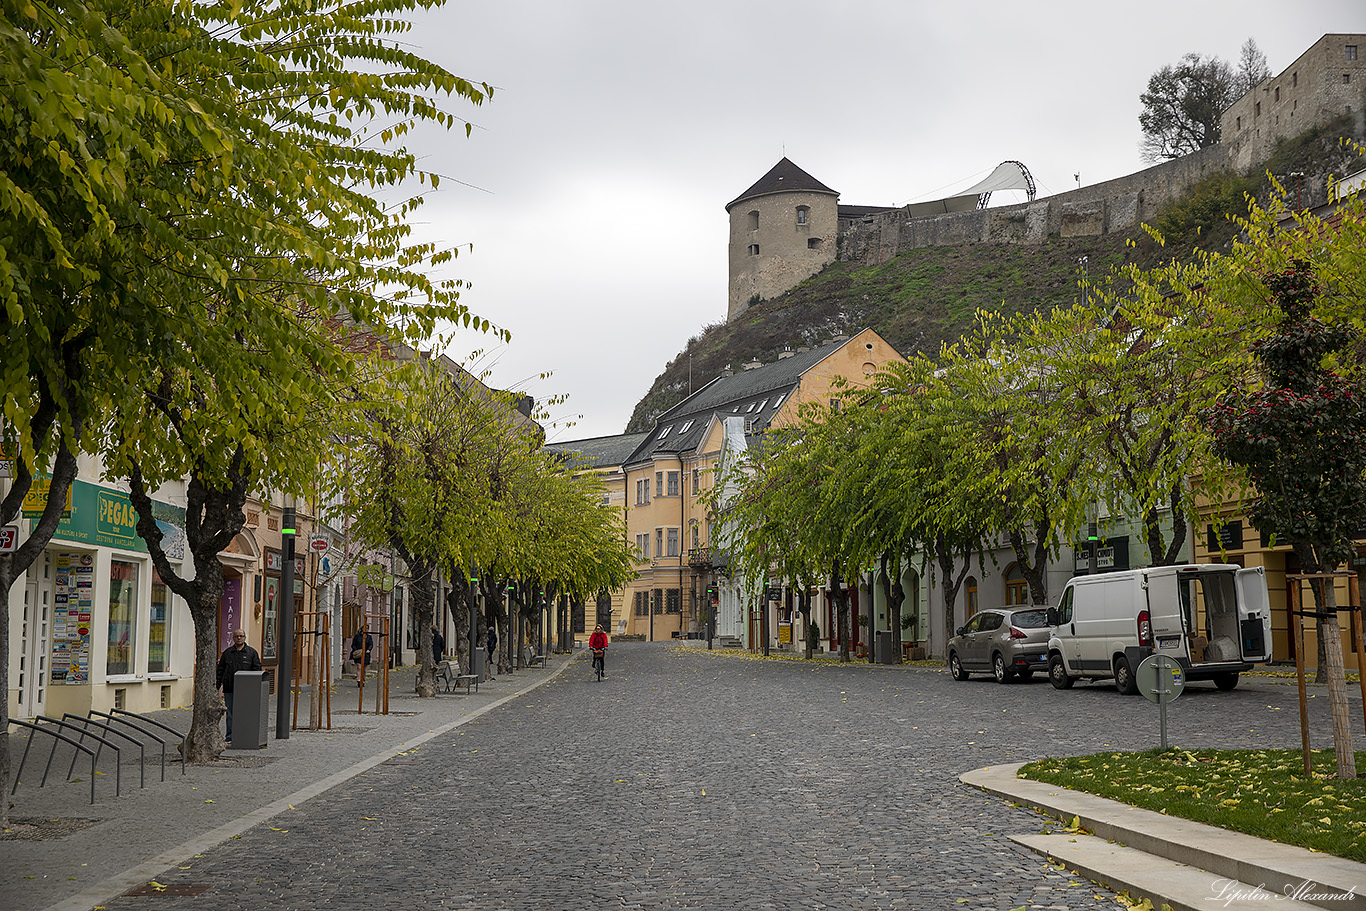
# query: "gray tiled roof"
x,y
784,177
601,452
753,394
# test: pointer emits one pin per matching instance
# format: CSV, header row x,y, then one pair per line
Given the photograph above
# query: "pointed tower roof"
x,y
784,177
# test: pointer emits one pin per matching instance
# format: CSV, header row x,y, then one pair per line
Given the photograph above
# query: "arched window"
x,y
1017,589
803,215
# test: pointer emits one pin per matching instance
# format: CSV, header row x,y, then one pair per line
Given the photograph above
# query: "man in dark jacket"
x,y
362,646
237,657
493,649
438,644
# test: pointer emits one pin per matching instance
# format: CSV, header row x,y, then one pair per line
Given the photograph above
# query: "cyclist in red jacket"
x,y
598,643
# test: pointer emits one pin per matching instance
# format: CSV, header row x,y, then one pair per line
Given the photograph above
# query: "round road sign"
x,y
1160,678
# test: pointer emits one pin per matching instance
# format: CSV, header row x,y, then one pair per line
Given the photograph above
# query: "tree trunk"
x,y
1331,636
423,589
841,611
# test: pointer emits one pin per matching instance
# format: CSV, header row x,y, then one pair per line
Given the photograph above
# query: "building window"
x,y
753,249
754,220
642,491
659,542
1240,123
159,627
642,604
834,404
1346,78
696,480
803,214
1257,109
751,407
674,602
673,484
123,604
1278,93
658,601
696,535
971,587
813,243
643,547
684,428
673,542
665,432
1351,52
1017,589
762,405
1294,79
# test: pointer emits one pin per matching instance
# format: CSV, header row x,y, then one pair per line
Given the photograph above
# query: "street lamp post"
x,y
286,667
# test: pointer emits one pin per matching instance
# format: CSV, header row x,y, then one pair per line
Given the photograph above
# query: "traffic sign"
x,y
318,544
9,539
1160,679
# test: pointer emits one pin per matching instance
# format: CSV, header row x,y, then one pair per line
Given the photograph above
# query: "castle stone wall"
x,y
1115,206
787,250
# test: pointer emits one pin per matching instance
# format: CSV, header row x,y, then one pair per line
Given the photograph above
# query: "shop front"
x,y
98,627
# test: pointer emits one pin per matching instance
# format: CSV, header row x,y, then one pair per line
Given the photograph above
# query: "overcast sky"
x,y
593,189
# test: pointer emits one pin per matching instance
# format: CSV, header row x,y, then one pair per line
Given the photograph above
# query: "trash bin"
x,y
478,669
250,710
882,647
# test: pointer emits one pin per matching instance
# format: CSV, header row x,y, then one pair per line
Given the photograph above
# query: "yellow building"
x,y
662,477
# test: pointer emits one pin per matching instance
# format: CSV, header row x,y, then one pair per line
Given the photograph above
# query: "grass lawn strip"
x,y
1257,792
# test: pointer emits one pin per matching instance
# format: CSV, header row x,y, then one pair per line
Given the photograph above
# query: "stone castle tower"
x,y
782,230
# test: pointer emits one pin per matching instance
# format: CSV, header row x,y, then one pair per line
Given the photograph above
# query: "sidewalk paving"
x,y
67,854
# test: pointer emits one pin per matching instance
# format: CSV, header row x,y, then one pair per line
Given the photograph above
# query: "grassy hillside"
x,y
925,297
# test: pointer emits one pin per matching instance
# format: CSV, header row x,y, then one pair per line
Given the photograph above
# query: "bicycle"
x,y
600,662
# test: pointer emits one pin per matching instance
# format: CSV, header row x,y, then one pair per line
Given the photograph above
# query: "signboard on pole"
x,y
318,544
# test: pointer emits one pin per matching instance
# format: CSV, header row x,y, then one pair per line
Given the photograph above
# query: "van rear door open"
x,y
1254,615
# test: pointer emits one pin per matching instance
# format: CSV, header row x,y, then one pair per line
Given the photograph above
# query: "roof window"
x,y
665,432
684,428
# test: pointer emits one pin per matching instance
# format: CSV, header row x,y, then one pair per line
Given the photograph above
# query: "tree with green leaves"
x,y
1183,105
1302,440
190,259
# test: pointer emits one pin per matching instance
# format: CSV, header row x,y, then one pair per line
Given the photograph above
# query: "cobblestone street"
x,y
689,779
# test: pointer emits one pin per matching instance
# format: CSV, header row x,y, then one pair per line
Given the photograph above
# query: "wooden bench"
x,y
449,677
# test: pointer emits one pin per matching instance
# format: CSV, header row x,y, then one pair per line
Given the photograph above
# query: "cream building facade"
x,y
665,475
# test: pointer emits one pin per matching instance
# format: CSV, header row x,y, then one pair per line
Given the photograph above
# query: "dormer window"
x,y
803,215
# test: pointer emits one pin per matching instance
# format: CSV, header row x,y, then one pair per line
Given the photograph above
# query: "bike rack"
x,y
86,721
157,724
145,733
118,754
59,736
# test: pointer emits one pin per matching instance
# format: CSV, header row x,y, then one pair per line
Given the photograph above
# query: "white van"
x,y
1213,618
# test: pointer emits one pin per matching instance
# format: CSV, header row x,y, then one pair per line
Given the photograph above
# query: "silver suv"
x,y
1009,642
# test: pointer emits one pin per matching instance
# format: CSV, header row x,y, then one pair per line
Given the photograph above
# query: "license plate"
x,y
1168,641
1043,658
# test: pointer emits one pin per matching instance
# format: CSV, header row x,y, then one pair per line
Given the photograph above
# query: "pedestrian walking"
x,y
493,649
438,644
237,657
362,644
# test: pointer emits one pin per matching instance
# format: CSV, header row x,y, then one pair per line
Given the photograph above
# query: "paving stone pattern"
x,y
694,780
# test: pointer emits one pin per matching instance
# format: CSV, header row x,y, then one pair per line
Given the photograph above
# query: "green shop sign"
x,y
106,517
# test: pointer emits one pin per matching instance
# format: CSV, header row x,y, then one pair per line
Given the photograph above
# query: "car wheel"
x,y
956,668
1124,677
998,668
1226,682
1057,674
